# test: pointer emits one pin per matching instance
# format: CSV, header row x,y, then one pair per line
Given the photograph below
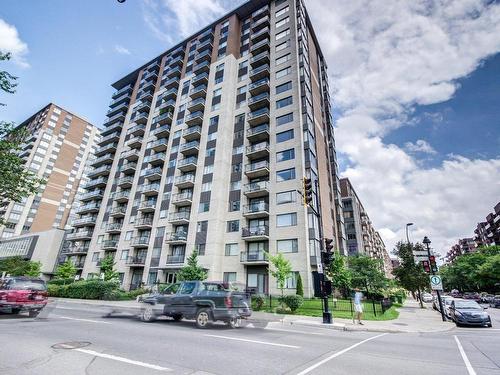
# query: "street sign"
x,y
320,268
436,282
421,253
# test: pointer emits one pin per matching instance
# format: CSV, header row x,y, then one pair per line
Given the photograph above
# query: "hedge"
x,y
85,289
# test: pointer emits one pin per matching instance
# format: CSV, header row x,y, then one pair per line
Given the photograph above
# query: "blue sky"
x,y
414,86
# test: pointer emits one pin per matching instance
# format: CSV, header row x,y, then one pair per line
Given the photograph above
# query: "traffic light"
x,y
426,265
326,258
307,191
328,245
433,265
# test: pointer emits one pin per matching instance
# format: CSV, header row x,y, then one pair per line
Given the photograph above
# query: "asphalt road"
x,y
76,339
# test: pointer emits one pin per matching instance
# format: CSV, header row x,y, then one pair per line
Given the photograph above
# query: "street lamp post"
x,y
427,242
407,236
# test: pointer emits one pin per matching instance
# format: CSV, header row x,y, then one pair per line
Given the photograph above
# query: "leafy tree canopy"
x,y
67,270
192,270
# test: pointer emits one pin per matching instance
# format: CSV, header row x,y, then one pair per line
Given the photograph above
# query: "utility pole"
x,y
407,236
433,269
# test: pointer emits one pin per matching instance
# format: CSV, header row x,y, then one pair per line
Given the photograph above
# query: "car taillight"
x,y
228,302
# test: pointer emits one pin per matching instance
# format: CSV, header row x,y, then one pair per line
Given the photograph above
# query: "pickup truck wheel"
x,y
33,313
15,311
202,318
148,314
177,317
234,322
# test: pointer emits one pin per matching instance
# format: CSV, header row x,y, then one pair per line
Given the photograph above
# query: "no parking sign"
x,y
436,282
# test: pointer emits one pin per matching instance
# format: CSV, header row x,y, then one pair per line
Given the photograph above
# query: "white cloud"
x,y
172,20
419,146
384,58
10,42
121,50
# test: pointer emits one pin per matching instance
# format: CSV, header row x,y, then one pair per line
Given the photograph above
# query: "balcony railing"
x,y
120,210
150,188
179,216
176,237
142,240
79,234
187,178
256,166
182,197
253,256
155,157
262,230
153,172
84,220
175,259
255,208
121,195
144,222
92,195
130,154
125,181
189,146
255,187
136,261
99,171
114,227
192,160
95,182
109,244
149,204
102,159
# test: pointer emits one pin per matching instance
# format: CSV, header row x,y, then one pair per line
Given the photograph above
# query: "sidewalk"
x,y
412,319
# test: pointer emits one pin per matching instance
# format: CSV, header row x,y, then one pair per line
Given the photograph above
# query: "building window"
x,y
204,207
229,277
210,151
284,87
285,175
282,34
207,186
214,121
100,239
283,45
287,246
128,235
284,136
201,226
284,102
200,249
291,281
208,169
285,119
286,220
234,206
285,155
283,72
235,185
282,11
95,256
285,197
233,226
282,22
231,249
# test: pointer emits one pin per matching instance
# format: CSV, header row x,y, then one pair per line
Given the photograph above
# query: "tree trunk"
x,y
420,298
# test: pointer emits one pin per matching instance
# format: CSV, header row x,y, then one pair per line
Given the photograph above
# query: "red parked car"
x,y
18,294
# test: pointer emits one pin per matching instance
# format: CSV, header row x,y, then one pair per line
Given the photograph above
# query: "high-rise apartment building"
x,y
487,233
464,246
205,148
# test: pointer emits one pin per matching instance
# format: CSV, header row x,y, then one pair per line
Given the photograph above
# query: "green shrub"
x,y
293,301
300,288
85,289
61,281
258,302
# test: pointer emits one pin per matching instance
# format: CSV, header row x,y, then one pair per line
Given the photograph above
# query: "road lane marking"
x,y
122,359
334,355
254,341
80,319
293,331
470,370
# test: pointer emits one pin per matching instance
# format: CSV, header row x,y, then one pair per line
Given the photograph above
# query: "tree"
x,y
282,269
107,268
17,266
16,182
300,287
192,271
34,269
366,273
339,274
409,274
67,270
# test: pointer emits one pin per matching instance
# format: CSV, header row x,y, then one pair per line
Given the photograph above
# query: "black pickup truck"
x,y
203,301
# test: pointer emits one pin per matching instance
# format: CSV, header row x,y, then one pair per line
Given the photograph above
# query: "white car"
x,y
427,297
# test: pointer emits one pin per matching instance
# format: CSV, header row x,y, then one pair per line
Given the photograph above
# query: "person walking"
x,y
358,306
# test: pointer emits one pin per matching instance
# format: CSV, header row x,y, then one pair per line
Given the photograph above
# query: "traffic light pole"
x,y
437,291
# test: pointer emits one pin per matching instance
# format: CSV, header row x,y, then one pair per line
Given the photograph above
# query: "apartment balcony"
x,y
164,119
84,221
182,199
106,149
192,133
179,218
137,130
79,265
150,76
177,259
136,261
141,118
110,129
171,83
80,235
261,58
125,182
254,257
187,164
207,45
109,245
113,137
128,168
184,181
156,159
196,105
119,117
190,148
259,86
127,89
194,118
259,101
144,96
176,238
173,72
96,194
206,35
118,211
145,85
260,72
153,66
150,189
153,174
147,206
98,182
114,227
262,34
200,79
105,159
75,250
260,116
259,233
177,62
161,132
257,169
259,13
121,196
141,241
88,208
119,109
260,23
258,133
130,155
101,171
166,105
159,145
256,189
203,56
198,92
256,210
260,47
200,68
258,151
143,223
